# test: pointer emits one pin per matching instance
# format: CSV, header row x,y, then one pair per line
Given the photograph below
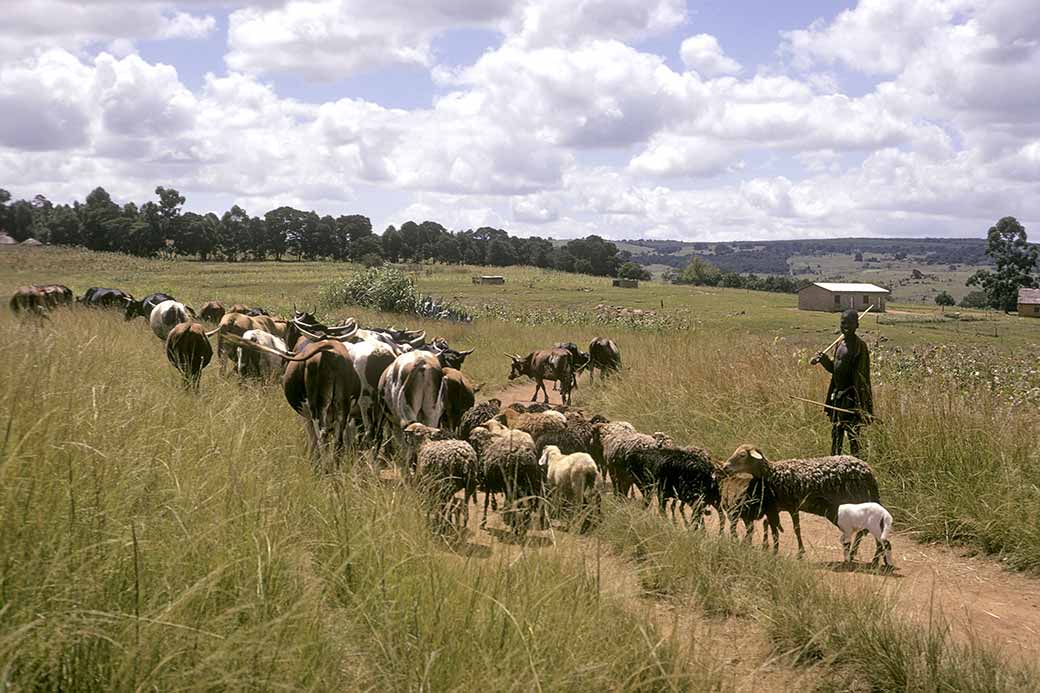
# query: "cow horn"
x,y
511,356
310,335
468,351
756,454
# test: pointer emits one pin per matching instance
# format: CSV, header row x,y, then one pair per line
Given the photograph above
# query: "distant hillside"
x,y
795,257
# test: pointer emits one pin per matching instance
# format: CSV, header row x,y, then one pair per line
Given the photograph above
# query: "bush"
x,y
381,288
943,298
371,260
975,299
633,270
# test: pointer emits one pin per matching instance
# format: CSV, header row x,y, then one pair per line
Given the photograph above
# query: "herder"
x,y
849,393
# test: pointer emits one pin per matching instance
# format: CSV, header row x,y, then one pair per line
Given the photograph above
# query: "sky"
x,y
703,120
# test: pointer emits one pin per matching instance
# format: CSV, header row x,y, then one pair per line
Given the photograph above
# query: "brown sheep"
x,y
817,485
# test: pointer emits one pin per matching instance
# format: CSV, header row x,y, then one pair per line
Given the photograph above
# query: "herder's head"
x,y
849,322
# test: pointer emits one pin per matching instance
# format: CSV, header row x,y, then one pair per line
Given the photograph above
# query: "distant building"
x,y
1029,303
7,240
31,242
489,279
626,283
835,297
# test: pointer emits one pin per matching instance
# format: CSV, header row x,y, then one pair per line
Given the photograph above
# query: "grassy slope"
x,y
240,549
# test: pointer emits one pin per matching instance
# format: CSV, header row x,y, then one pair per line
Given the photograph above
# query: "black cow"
x,y
97,297
579,359
143,308
604,355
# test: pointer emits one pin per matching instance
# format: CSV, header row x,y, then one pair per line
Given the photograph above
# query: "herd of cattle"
x,y
352,384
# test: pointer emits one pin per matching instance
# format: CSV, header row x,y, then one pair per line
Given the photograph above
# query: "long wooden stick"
x,y
865,414
841,336
825,406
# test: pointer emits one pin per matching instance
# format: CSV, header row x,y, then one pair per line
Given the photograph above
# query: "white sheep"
x,y
572,478
855,518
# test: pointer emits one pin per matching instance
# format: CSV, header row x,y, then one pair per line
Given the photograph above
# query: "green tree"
x,y
65,227
943,299
19,220
99,216
700,272
233,233
392,244
633,270
1015,259
501,253
975,299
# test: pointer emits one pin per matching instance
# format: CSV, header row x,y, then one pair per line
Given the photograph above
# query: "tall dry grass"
x,y
151,538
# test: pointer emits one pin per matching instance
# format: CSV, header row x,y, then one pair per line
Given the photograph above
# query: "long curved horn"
x,y
510,356
212,332
468,352
284,355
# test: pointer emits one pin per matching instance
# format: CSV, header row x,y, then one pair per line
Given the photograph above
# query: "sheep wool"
x,y
478,414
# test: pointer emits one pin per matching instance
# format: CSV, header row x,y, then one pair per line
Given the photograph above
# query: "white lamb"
x,y
572,478
854,518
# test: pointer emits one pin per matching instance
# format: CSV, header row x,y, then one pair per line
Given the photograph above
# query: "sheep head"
x,y
747,459
479,437
417,433
548,454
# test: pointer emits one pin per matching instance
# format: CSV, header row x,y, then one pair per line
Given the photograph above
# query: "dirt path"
x,y
981,600
735,648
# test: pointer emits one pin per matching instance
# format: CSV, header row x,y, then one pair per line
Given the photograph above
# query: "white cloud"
x,y
33,26
539,23
330,39
668,154
704,54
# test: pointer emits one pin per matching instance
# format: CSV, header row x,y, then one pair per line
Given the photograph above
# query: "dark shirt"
x,y
850,380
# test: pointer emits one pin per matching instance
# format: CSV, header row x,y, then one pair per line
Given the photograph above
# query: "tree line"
x,y
161,228
700,272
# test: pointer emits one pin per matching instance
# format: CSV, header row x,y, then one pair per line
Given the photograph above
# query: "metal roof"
x,y
1029,296
840,287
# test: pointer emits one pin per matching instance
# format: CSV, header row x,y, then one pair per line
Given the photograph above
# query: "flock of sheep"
x,y
530,452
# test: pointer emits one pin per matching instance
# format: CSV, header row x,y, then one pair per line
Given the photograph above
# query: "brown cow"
x,y
188,349
237,324
322,386
28,299
212,311
55,295
546,364
457,397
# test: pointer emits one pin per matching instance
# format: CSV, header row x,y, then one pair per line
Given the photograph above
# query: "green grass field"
x,y
151,538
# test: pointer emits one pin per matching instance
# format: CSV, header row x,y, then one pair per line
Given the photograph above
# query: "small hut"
x,y
835,297
626,283
7,240
489,279
1029,303
31,242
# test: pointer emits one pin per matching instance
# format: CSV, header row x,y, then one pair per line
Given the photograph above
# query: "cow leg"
x,y
483,519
